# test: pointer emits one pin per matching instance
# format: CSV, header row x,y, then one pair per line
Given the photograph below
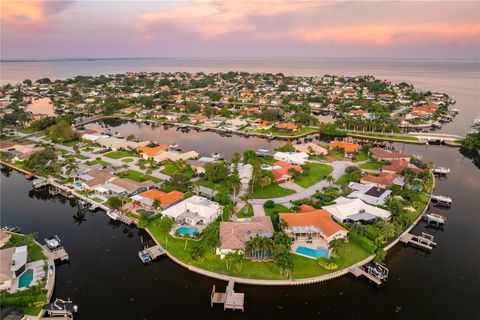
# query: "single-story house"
x,y
350,149
194,210
18,151
387,155
311,148
281,170
234,235
175,156
396,166
383,180
355,210
166,199
286,127
369,193
151,152
94,178
291,157
311,223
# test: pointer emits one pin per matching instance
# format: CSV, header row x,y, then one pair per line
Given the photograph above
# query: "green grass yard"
x,y
273,213
171,168
138,176
272,191
96,162
371,165
120,154
316,173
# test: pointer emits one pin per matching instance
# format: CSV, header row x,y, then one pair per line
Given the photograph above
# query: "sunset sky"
x,y
270,28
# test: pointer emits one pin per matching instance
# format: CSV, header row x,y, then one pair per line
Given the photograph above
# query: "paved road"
x,y
338,171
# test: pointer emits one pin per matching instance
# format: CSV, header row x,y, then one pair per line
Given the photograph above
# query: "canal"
x,y
107,280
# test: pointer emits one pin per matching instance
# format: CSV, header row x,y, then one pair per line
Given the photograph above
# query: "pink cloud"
x,y
26,12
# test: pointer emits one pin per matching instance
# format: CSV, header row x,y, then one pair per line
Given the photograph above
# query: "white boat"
x,y
442,199
263,149
441,170
173,145
53,242
437,218
216,156
112,214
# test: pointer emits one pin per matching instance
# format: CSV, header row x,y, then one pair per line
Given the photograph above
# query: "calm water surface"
x,y
106,279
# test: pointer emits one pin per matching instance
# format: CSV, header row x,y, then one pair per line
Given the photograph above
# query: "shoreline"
x,y
251,281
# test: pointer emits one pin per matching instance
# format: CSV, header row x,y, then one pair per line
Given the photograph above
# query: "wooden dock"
x,y
424,241
155,251
58,254
358,271
125,219
230,299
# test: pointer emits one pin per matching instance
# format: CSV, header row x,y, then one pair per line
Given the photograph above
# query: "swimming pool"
x,y
25,279
184,230
313,253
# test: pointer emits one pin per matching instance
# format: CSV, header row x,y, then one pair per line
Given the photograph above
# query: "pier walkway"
x,y
155,251
424,241
230,299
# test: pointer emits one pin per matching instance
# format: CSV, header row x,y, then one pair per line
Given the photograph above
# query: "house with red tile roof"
x,y
312,223
358,112
286,127
281,171
397,166
198,118
350,149
424,111
152,152
166,199
383,180
387,155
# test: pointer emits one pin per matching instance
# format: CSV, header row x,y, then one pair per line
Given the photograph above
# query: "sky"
x,y
270,28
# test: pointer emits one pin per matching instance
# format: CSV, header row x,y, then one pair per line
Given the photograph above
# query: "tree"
x,y
239,259
330,180
334,245
269,204
295,174
156,204
380,255
249,156
62,131
196,252
177,182
223,198
114,202
394,205
236,157
182,165
44,161
71,167
216,172
229,258
386,230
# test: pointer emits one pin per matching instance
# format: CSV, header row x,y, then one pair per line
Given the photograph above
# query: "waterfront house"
x,y
387,155
383,180
291,157
286,127
133,187
234,235
369,193
198,118
194,210
165,199
18,151
175,156
425,111
119,144
151,152
4,237
311,223
94,178
311,148
281,171
12,265
350,149
355,210
397,166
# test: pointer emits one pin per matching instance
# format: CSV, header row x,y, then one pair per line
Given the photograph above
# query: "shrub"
x,y
365,243
380,255
326,264
269,204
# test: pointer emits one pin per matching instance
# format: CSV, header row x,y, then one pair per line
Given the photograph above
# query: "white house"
x,y
355,210
194,210
369,193
12,265
291,157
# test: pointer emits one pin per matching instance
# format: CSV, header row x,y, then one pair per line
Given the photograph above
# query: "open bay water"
x,y
107,280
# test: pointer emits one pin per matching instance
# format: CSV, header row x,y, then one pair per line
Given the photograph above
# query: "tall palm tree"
x,y
330,180
386,230
334,245
71,167
239,255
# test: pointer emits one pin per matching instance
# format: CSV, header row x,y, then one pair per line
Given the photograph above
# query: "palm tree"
x,y
229,258
357,228
239,255
71,167
386,230
330,180
182,165
334,245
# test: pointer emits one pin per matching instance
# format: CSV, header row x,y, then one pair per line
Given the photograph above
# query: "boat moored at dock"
x,y
441,171
442,200
60,308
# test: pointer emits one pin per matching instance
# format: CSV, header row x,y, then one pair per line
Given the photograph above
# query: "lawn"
x,y
343,180
221,186
71,143
127,160
138,176
336,155
272,191
371,165
27,130
96,162
316,173
303,267
171,168
34,251
362,156
384,136
120,154
273,213
245,213
81,157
